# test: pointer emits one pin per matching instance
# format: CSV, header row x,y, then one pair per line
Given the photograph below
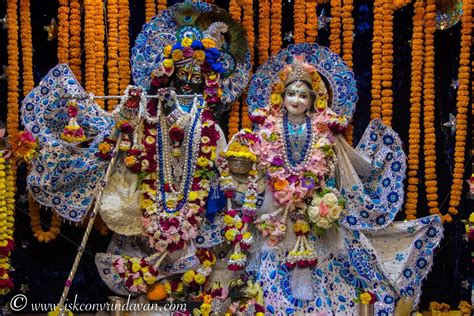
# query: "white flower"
x,y
313,213
316,200
324,223
335,212
330,199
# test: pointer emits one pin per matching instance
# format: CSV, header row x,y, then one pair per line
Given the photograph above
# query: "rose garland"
x,y
161,5
63,32
89,44
7,222
415,110
248,24
275,30
75,38
429,144
299,17
112,50
311,21
35,220
462,107
150,10
387,63
376,103
335,24
13,68
263,31
123,45
99,51
27,46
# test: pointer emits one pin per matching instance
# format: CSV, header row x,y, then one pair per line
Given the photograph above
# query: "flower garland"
x,y
248,24
99,51
275,30
35,220
75,38
299,17
7,222
387,63
150,9
462,108
161,5
89,44
347,32
138,273
13,68
335,24
112,50
415,110
376,103
27,46
235,10
429,144
311,21
246,122
63,32
234,119
123,44
263,31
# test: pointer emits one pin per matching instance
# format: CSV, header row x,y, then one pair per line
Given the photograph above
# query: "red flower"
x,y
126,128
72,111
129,281
176,133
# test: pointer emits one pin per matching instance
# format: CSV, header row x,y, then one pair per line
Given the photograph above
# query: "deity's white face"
x,y
297,99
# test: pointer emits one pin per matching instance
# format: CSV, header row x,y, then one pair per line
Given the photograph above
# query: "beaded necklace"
x,y
294,165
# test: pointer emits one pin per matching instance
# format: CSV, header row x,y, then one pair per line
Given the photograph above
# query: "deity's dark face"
x,y
188,79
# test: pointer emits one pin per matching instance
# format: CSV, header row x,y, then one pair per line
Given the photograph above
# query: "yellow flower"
x,y
171,203
168,63
321,104
168,287
177,55
205,139
213,156
206,309
199,278
246,235
188,276
206,149
207,299
193,196
238,224
186,42
365,298
180,288
278,88
207,263
199,56
130,161
104,147
280,184
230,234
208,43
146,203
167,50
149,279
275,99
212,76
135,267
471,218
228,219
203,162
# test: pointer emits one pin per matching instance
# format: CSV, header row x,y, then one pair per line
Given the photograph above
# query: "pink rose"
x,y
323,210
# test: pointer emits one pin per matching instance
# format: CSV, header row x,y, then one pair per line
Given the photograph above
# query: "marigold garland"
x,y
415,110
275,30
35,220
299,17
112,50
376,103
89,43
263,31
75,38
429,142
335,24
247,23
234,119
99,50
63,32
235,10
161,5
462,108
27,46
387,63
246,122
347,32
150,9
124,45
13,68
311,26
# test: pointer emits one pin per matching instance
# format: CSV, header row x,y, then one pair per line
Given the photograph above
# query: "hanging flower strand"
x,y
124,45
347,32
75,38
6,222
99,51
112,50
89,44
247,22
27,46
335,24
462,107
415,110
275,30
63,32
311,26
161,5
376,103
299,17
263,31
387,63
13,68
150,10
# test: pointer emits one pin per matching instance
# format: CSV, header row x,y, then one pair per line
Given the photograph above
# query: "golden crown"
x,y
298,73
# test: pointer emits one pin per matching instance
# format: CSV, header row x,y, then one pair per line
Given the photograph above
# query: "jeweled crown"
x,y
298,73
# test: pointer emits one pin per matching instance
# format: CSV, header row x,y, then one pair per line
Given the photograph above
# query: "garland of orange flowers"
x,y
398,4
311,26
13,68
246,122
234,119
247,22
112,50
89,43
75,38
376,103
35,221
335,24
429,143
275,30
347,32
299,17
63,32
387,63
162,5
99,51
462,107
124,45
150,9
27,46
263,31
415,110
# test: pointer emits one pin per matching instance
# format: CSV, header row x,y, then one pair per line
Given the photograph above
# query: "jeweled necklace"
x,y
294,165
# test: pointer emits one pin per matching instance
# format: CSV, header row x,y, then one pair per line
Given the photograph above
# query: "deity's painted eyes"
x,y
182,74
301,94
196,78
